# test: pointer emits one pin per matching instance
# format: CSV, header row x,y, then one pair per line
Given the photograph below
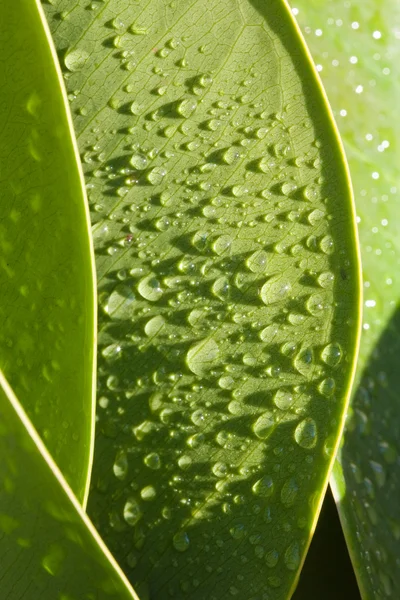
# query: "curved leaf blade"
x,y
357,45
46,268
50,549
228,281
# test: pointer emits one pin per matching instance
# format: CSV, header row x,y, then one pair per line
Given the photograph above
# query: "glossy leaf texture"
x,y
356,45
53,551
46,275
228,287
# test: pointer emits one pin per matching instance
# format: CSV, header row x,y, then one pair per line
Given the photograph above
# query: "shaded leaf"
x,y
228,287
46,279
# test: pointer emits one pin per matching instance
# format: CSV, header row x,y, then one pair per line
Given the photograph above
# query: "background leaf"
x,y
46,275
52,551
357,47
228,285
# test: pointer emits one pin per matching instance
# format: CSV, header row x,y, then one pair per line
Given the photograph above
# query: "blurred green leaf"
x,y
357,47
53,551
46,275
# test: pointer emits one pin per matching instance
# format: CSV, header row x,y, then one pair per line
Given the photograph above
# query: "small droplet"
x,y
132,513
257,261
292,556
138,161
332,354
283,399
305,433
262,427
264,487
156,175
187,107
75,59
181,541
201,356
276,289
289,492
152,461
149,288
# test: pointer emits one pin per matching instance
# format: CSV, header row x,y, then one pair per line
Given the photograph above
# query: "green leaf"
x,y
357,46
228,286
46,275
53,552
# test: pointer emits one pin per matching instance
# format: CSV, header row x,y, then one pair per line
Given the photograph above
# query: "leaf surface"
x,y
228,286
52,551
356,45
46,275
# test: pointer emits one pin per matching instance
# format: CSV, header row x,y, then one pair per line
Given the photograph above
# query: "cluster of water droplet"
x,y
217,267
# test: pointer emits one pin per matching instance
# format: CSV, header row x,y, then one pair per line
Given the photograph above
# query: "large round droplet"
x,y
154,326
305,433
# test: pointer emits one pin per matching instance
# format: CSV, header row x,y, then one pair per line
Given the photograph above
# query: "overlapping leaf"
x,y
46,274
356,45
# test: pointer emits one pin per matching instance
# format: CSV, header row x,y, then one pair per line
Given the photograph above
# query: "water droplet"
x,y
221,288
276,289
156,175
327,244
283,399
152,461
257,261
231,156
138,161
289,492
149,288
187,107
222,244
271,558
184,462
292,556
148,493
201,356
305,433
181,541
132,513
220,469
316,304
262,427
332,354
120,466
154,326
75,59
327,386
238,531
264,487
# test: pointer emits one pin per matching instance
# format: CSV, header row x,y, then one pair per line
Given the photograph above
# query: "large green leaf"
x,y
357,47
50,550
228,286
46,274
